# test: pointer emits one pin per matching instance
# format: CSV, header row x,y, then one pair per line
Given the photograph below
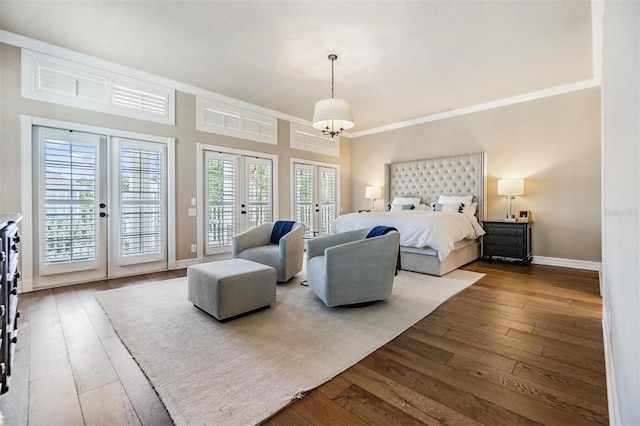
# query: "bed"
x,y
424,246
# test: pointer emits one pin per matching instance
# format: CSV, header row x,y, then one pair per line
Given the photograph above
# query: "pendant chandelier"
x,y
332,116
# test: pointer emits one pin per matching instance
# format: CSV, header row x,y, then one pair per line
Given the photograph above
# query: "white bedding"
x,y
417,228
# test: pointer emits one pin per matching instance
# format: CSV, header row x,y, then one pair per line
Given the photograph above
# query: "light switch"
x,y
194,202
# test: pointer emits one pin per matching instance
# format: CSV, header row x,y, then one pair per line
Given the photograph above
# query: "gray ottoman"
x,y
230,288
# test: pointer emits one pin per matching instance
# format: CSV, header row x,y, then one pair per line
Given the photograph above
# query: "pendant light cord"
x,y
332,86
333,57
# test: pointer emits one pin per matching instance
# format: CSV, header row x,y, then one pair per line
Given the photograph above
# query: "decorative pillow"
x,y
423,207
406,200
464,199
395,207
471,211
447,208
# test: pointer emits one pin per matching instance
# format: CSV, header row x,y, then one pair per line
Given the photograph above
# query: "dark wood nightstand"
x,y
508,240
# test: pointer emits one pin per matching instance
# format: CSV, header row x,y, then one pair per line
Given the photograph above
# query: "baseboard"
x,y
185,263
567,263
612,393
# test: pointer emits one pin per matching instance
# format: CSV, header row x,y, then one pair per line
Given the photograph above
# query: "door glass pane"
x,y
221,200
259,191
68,208
304,197
326,198
142,191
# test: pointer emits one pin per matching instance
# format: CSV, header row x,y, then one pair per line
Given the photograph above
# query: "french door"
x,y
99,206
315,197
238,196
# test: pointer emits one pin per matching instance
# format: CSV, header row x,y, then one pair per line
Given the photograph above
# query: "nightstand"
x,y
507,239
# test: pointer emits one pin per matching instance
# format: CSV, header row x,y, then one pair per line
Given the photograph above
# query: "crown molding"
x,y
597,14
554,91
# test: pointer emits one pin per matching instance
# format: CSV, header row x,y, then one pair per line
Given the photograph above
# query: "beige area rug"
x,y
243,371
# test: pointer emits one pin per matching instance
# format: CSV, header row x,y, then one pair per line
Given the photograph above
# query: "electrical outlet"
x,y
193,248
192,212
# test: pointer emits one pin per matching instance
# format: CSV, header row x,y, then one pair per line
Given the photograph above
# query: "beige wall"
x,y
554,143
12,105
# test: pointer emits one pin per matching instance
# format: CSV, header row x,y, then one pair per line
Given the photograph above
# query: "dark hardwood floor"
x,y
521,346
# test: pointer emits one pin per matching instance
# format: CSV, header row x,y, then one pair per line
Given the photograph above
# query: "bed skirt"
x,y
426,261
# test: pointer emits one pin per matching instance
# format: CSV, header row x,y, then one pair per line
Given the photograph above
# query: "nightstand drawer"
x,y
517,252
504,230
495,239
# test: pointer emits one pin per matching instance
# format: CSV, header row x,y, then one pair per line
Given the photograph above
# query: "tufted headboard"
x,y
428,179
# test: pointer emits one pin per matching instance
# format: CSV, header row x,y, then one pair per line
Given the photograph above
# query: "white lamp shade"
x,y
510,186
334,114
373,192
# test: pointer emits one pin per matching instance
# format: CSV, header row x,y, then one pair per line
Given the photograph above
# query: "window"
x,y
221,194
239,195
51,79
316,196
141,202
224,119
309,139
70,195
101,202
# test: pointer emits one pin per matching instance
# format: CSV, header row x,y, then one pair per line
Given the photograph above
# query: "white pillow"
x,y
398,207
447,207
472,210
423,207
464,199
406,200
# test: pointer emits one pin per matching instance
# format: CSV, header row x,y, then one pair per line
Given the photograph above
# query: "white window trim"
x,y
26,226
200,201
292,162
315,141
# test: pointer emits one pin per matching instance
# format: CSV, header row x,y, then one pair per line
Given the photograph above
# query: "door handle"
x,y
103,214
243,212
103,205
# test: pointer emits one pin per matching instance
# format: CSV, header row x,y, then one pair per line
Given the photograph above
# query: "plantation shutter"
x,y
326,198
73,83
141,201
69,202
221,197
304,196
259,191
128,95
52,79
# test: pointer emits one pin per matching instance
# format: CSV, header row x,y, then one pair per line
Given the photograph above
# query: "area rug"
x,y
243,371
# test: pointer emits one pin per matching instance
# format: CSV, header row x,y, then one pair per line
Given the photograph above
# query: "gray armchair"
x,y
285,256
348,269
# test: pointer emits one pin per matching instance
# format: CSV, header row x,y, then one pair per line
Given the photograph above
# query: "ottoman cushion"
x,y
232,287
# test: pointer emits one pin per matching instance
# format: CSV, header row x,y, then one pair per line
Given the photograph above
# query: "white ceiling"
x,y
397,60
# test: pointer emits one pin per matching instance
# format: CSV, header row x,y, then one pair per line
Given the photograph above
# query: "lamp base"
x,y
510,218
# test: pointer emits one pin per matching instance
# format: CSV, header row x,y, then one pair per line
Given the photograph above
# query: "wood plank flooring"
x,y
521,346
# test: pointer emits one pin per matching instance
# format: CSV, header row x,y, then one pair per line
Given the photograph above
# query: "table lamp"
x,y
509,188
373,192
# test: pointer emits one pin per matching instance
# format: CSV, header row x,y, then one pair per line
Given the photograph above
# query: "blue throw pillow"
x,y
280,229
